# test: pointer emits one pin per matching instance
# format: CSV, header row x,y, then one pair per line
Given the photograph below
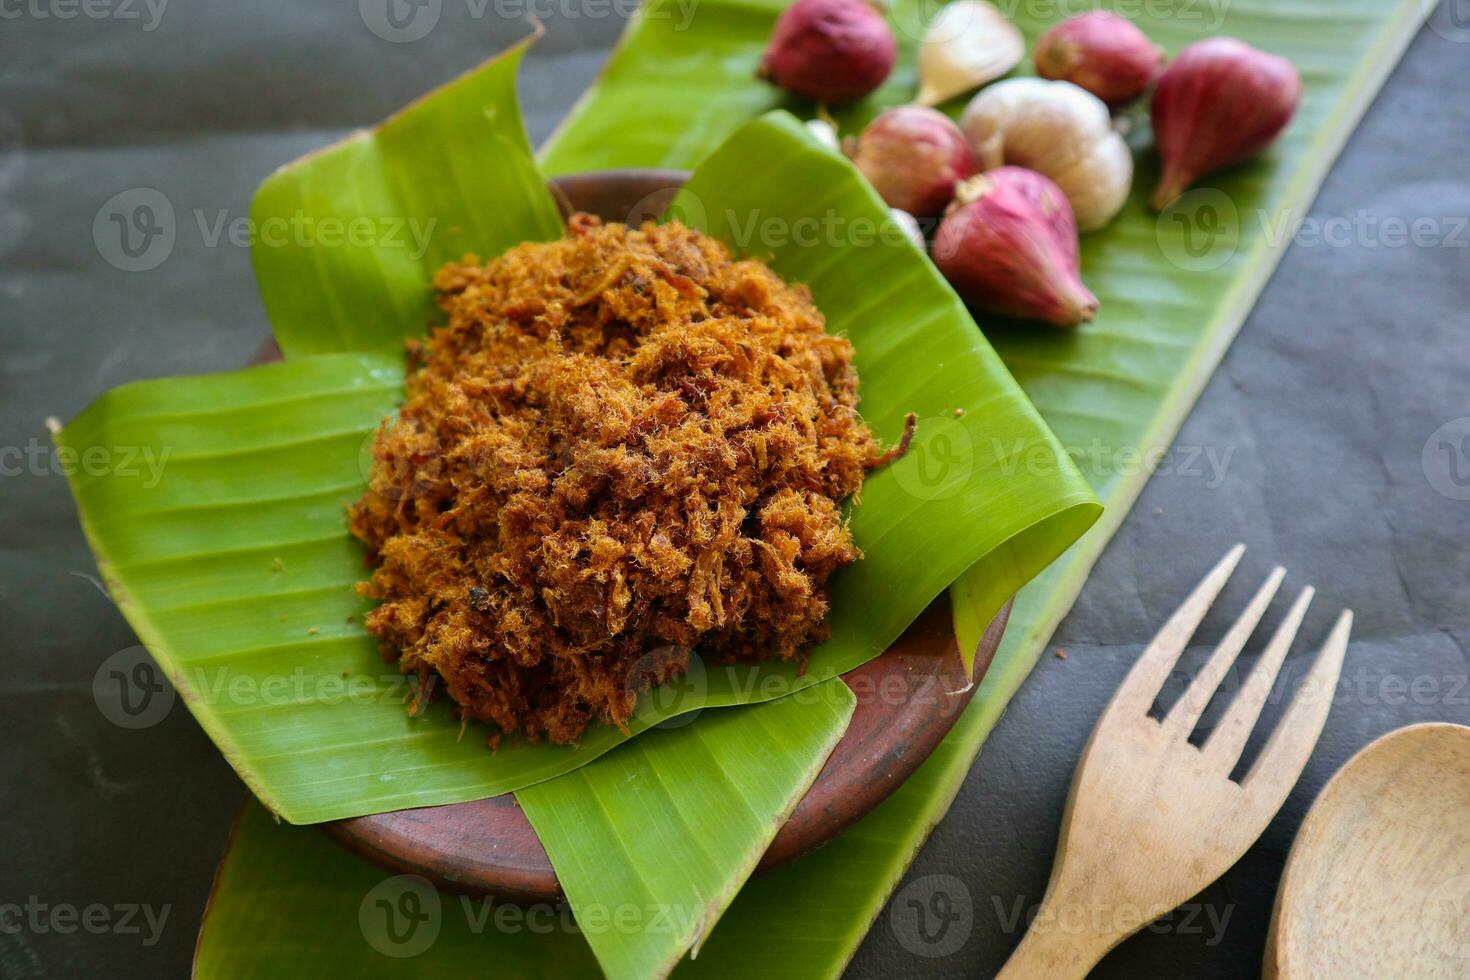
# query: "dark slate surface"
x,y
1322,422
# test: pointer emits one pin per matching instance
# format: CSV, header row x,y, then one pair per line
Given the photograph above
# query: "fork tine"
x,y
1185,713
1286,752
1148,675
1228,740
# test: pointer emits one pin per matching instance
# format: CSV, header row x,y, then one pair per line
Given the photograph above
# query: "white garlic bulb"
x,y
968,43
1059,130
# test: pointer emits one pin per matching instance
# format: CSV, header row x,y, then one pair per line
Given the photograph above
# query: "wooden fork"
x,y
1151,819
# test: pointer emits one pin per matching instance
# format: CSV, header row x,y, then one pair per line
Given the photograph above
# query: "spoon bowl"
x,y
1378,881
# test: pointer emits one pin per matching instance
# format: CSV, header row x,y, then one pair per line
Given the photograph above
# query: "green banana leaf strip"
x,y
653,841
235,568
288,902
351,235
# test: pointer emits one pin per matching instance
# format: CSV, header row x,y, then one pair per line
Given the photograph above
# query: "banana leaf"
x,y
233,562
306,907
381,211
663,832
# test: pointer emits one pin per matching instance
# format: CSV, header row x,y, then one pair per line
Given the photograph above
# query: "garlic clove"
x,y
968,43
1097,185
1059,130
913,156
1102,53
1008,245
829,51
1219,102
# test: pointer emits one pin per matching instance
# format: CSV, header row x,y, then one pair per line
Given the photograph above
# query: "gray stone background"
x,y
1325,413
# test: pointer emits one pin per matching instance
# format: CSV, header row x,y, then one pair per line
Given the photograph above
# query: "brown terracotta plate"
x,y
907,700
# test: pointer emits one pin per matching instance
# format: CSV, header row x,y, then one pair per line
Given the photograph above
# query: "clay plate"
x,y
907,700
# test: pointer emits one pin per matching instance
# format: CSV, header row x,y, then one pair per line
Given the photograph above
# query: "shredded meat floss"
x,y
622,446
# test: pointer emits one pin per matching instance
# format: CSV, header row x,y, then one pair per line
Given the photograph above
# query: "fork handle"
x,y
1057,948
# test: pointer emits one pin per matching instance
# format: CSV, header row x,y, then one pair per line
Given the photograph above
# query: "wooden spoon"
x,y
1378,881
